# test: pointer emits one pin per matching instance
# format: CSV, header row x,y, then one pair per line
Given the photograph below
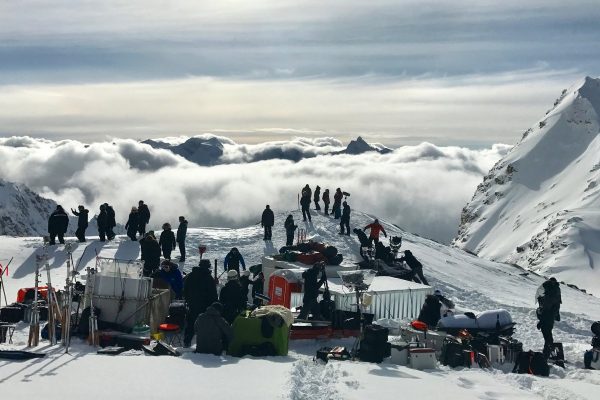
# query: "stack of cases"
x,y
374,347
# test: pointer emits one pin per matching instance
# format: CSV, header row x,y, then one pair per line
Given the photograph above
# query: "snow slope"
x,y
539,206
474,284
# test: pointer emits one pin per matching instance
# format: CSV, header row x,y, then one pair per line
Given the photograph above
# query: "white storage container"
x,y
399,354
496,354
422,358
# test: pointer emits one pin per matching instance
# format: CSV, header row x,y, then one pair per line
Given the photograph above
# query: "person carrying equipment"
x,y
549,299
415,266
213,333
233,259
312,284
375,228
199,291
267,221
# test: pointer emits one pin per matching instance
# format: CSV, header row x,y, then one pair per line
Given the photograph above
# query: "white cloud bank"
x,y
421,188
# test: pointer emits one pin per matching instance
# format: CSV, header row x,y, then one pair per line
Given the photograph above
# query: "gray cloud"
x,y
421,188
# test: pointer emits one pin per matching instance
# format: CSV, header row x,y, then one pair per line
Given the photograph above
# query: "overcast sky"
x,y
397,72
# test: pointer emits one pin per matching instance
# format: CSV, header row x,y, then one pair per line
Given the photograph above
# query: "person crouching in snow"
x,y
232,297
167,241
170,273
375,228
213,333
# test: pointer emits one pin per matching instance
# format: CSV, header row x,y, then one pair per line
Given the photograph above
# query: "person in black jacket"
x,y
326,201
112,221
57,225
233,259
167,241
82,222
144,217
199,292
415,266
102,222
290,228
150,250
317,197
305,199
430,312
345,220
267,221
232,297
181,234
312,284
132,224
549,298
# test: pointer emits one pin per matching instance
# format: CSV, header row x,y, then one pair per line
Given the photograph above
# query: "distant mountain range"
x,y
209,151
539,206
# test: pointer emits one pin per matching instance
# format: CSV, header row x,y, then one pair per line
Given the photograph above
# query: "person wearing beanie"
x,y
213,333
232,297
199,291
170,273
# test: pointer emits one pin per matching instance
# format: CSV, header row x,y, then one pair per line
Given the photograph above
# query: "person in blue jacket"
x,y
233,259
170,273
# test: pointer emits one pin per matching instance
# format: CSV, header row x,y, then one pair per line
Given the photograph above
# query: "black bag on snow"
x,y
330,252
177,312
455,354
11,314
376,334
375,347
533,363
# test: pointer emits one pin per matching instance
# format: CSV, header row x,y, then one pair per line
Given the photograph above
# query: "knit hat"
x,y
437,292
232,275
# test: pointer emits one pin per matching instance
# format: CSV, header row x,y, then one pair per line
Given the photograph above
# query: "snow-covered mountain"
x,y
199,150
22,211
539,206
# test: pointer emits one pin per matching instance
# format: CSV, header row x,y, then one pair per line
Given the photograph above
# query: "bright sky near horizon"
x,y
397,72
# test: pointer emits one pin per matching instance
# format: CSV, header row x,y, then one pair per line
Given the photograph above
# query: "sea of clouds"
x,y
421,188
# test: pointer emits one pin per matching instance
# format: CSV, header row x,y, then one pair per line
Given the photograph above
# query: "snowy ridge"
x,y
474,284
539,206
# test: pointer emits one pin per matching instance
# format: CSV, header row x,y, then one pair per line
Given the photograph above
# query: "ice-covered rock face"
x,y
539,206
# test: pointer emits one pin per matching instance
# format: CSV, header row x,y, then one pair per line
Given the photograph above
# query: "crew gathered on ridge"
x,y
210,313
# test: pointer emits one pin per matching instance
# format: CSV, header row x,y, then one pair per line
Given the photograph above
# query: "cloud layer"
x,y
421,188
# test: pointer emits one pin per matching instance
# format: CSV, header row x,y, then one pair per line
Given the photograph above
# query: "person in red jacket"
x,y
375,228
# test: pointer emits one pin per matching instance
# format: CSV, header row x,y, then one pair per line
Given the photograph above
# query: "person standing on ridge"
x,y
549,299
233,259
102,222
150,253
111,220
132,224
144,217
305,202
181,234
290,228
167,241
375,228
317,197
82,222
345,220
326,201
57,225
267,221
337,203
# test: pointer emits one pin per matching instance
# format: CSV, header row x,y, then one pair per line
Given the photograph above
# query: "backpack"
x,y
533,363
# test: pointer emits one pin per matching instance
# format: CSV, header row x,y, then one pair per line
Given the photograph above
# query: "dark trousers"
x,y
102,234
317,206
326,208
190,319
336,210
61,238
80,233
345,223
142,228
289,239
373,239
268,232
305,213
181,245
417,276
150,267
167,252
131,234
110,233
546,328
310,305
